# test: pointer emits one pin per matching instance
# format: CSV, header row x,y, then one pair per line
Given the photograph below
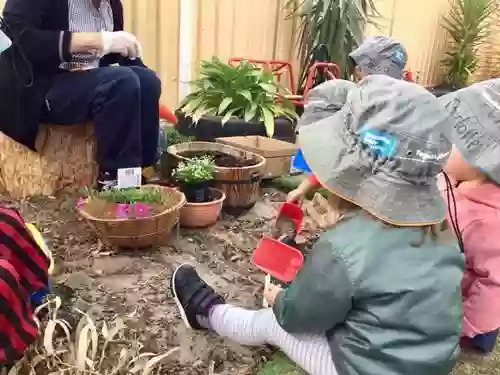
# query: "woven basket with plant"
x,y
133,218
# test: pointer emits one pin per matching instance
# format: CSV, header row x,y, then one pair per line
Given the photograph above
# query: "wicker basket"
x,y
137,233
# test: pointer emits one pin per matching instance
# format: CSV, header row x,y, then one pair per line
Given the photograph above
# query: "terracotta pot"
x,y
200,215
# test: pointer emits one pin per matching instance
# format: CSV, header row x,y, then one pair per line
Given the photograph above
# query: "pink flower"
x,y
80,202
142,210
122,210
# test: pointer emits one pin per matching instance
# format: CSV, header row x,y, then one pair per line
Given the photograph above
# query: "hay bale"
x,y
65,161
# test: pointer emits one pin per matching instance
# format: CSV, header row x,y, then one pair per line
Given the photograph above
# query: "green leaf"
x,y
247,95
224,104
192,105
270,88
200,112
250,114
228,115
268,120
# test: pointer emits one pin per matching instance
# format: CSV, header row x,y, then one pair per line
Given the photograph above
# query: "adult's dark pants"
x,y
122,103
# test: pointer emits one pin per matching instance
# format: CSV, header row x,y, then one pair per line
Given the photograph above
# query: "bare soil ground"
x,y
133,284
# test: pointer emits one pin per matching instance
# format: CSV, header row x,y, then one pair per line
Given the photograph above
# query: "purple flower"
x,y
142,210
122,210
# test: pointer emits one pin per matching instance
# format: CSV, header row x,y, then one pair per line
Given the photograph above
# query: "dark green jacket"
x,y
386,306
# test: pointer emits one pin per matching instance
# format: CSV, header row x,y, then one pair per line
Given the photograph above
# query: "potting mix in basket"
x,y
220,159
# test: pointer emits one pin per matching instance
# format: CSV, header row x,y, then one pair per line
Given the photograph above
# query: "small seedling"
x,y
195,171
128,195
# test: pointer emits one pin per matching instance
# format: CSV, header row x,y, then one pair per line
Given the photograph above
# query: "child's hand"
x,y
295,195
270,293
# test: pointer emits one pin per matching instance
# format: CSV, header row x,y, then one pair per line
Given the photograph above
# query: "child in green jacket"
x,y
379,294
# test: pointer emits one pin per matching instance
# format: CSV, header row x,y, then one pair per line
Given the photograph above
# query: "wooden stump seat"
x,y
65,161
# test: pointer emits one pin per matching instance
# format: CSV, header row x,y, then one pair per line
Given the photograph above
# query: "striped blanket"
x,y
23,273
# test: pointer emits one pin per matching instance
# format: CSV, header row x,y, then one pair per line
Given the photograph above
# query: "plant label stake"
x,y
129,177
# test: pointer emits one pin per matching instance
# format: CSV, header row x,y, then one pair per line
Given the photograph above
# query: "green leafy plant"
x,y
467,26
128,195
195,170
337,24
173,137
243,91
91,348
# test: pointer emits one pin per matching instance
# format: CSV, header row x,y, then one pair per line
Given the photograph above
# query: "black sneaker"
x,y
193,296
106,182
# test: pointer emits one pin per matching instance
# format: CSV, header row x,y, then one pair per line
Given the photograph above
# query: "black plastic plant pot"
x,y
196,193
210,127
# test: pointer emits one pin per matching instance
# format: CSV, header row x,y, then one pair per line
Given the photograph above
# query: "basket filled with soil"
x,y
278,154
133,218
237,172
204,203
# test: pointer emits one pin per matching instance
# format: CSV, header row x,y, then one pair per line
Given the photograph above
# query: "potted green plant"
x,y
467,25
329,31
194,177
204,203
234,101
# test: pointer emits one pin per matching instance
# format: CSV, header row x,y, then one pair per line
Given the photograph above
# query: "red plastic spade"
x,y
277,259
292,212
167,114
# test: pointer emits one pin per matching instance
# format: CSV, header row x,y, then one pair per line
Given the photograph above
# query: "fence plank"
x,y
168,49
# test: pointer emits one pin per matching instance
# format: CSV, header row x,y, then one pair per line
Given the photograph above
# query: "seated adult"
x,y
71,62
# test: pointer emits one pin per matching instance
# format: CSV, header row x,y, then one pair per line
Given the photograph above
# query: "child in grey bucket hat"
x,y
474,165
371,298
383,152
379,55
376,55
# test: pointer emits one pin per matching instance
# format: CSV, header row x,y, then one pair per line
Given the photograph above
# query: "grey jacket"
x,y
386,306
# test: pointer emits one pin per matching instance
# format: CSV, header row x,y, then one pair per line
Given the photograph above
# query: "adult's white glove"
x,y
122,42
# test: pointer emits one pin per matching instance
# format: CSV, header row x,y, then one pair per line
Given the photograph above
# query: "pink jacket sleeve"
x,y
481,282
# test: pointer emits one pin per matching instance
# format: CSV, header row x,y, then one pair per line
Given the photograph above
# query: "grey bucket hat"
x,y
325,100
381,55
475,116
383,151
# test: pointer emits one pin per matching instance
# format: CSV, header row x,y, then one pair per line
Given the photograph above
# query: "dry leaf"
x,y
156,360
82,348
48,337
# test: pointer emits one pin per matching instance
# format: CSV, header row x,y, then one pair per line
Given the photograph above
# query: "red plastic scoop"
x,y
292,212
277,259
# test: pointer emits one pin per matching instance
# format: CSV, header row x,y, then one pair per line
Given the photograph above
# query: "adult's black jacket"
x,y
41,41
